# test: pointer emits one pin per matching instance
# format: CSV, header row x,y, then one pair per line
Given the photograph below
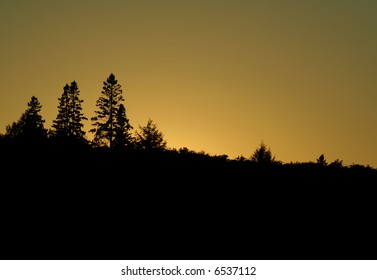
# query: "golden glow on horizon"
x,y
215,76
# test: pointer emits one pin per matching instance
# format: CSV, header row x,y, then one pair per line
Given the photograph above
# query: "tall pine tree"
x,y
68,122
76,125
60,124
105,122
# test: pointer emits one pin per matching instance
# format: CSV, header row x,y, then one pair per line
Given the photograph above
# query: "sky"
x,y
218,76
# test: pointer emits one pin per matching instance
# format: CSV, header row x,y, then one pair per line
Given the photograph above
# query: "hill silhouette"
x,y
136,196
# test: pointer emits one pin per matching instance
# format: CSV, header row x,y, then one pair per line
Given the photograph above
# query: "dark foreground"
x,y
98,204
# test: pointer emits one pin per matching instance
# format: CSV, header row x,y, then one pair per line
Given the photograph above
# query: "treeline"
x,y
127,192
111,127
28,145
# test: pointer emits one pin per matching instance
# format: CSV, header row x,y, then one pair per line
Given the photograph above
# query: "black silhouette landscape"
x,y
124,153
95,187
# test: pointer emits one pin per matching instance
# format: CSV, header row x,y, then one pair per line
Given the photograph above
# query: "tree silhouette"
x,y
30,126
321,161
123,138
169,167
262,155
150,138
68,122
60,124
105,121
337,163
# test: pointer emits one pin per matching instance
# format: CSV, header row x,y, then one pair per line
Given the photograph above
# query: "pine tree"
x,y
30,126
60,124
68,122
150,138
76,125
262,155
123,137
108,103
321,161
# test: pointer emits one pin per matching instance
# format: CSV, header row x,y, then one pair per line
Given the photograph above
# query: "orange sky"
x,y
216,76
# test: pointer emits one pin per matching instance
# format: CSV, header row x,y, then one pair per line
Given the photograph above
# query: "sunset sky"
x,y
218,76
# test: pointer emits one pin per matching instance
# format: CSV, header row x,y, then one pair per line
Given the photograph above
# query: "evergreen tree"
x,y
150,138
76,125
68,122
262,155
123,137
321,161
105,121
60,124
30,126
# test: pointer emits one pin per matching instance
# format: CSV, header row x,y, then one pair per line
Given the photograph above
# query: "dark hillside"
x,y
99,196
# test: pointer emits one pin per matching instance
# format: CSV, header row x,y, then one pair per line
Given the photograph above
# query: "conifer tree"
x,y
76,125
262,155
321,161
68,122
60,124
123,137
150,138
105,122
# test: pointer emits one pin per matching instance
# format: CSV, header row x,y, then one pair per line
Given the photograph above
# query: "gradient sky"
x,y
214,75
